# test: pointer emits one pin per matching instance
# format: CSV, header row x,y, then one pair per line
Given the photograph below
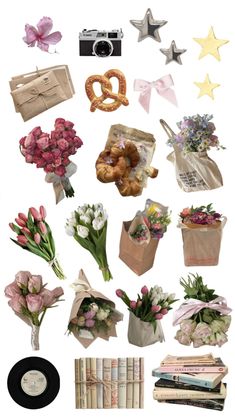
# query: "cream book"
x,y
83,400
114,385
205,359
100,386
136,388
93,388
122,377
130,376
107,378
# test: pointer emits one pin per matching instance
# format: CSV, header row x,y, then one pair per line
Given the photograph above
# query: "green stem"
x,y
57,269
41,319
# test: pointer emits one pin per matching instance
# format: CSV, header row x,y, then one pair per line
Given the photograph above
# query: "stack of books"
x,y
193,380
109,382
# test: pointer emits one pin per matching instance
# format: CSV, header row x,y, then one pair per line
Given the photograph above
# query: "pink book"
x,y
217,367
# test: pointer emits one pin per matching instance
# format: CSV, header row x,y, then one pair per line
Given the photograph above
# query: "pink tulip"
x,y
144,290
42,211
22,239
133,304
155,308
26,230
36,215
89,314
42,228
34,302
12,290
164,311
57,292
119,293
11,225
37,238
17,303
35,284
48,297
89,323
22,279
158,316
23,217
20,222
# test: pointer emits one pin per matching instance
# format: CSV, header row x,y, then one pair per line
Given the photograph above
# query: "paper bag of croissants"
x,y
126,160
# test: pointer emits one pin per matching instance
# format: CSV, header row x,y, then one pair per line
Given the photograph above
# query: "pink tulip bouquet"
x,y
30,300
35,236
51,152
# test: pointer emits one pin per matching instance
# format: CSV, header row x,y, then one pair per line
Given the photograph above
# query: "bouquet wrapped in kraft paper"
x,y
140,237
195,170
92,315
202,230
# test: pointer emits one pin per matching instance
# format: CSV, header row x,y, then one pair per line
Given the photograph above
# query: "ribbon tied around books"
x,y
98,102
162,86
193,306
61,185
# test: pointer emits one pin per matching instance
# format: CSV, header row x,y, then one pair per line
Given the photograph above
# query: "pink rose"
x,y
68,124
59,121
22,141
62,144
35,284
22,279
36,131
56,152
185,212
49,168
133,304
144,290
17,303
48,156
43,141
60,171
65,161
41,163
77,142
89,314
48,297
57,292
28,158
89,323
29,141
34,302
12,290
57,161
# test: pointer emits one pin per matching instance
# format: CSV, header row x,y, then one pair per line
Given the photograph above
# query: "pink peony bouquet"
x,y
30,300
203,318
201,215
51,152
35,236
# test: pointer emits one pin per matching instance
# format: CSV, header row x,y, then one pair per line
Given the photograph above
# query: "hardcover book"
x,y
207,380
166,393
217,366
164,383
215,404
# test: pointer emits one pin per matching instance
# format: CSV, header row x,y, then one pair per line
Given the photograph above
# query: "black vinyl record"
x,y
33,382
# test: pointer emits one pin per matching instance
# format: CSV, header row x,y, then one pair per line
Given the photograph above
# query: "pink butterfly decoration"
x,y
41,36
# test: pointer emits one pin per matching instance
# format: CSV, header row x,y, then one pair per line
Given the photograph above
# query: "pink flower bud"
x,y
20,222
17,303
26,230
34,302
144,290
35,284
12,290
89,323
37,238
23,217
158,316
89,314
164,311
22,239
155,308
22,278
36,215
48,297
43,212
60,171
42,228
57,292
119,293
133,304
11,225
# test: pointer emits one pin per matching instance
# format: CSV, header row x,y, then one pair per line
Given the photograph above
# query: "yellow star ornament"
x,y
210,45
206,87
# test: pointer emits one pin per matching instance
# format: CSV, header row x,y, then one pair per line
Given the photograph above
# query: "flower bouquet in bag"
x,y
30,299
35,236
146,313
195,171
203,317
202,229
140,237
92,315
88,226
51,152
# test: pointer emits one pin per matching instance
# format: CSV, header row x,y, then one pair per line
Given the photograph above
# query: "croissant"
x,y
106,171
128,187
129,151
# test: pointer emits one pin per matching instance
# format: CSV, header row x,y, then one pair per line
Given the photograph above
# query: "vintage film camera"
x,y
100,43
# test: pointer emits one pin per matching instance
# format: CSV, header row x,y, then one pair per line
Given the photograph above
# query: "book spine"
x,y
185,394
88,375
136,389
107,378
83,403
122,377
93,387
77,385
130,376
114,386
193,369
100,387
142,382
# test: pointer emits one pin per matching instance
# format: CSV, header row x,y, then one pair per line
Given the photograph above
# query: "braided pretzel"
x,y
97,102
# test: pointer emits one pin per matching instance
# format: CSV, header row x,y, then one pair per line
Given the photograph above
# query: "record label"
x,y
33,382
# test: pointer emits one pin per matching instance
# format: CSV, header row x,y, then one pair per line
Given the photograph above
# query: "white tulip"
x,y
82,209
171,296
98,206
82,231
90,212
69,229
86,219
98,224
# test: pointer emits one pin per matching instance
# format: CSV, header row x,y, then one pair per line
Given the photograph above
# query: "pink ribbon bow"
x,y
193,306
41,36
162,86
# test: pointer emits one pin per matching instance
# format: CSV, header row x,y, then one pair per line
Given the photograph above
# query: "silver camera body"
x,y
100,43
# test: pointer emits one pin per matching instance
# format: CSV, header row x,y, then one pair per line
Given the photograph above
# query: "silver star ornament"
x,y
173,53
148,27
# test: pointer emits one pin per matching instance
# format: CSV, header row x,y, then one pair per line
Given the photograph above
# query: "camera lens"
x,y
103,48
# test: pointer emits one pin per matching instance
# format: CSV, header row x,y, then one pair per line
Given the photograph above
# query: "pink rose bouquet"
x,y
35,236
203,318
51,152
201,215
30,300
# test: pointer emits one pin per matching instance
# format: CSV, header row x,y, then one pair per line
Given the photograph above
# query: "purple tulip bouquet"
x,y
30,300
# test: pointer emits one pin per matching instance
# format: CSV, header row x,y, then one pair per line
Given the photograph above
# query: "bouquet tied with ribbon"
x,y
30,299
51,152
203,317
92,315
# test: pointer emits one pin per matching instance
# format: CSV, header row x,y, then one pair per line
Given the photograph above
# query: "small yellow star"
x,y
210,45
206,88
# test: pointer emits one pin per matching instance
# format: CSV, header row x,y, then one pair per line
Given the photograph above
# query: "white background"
x,y
22,185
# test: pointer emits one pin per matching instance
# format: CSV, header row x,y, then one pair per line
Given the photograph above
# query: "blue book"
x,y
207,380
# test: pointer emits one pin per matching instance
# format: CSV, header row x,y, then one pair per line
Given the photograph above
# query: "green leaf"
x,y
17,243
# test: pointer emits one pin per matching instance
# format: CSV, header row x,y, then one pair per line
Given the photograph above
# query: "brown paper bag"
x,y
84,290
201,245
139,258
195,171
35,92
142,333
